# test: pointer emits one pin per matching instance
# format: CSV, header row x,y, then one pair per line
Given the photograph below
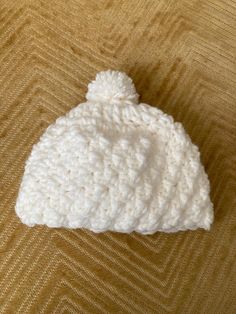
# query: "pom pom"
x,y
112,87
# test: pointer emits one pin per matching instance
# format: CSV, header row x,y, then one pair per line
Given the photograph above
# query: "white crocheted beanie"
x,y
114,164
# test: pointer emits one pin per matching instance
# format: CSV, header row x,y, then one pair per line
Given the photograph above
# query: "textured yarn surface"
x,y
115,165
181,57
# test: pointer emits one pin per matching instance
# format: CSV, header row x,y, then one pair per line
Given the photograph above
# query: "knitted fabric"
x,y
113,164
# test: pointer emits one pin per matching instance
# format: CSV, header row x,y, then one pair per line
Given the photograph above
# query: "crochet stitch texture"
x,y
114,164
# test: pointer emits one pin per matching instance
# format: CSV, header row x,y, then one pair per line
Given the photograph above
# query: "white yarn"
x,y
111,164
112,87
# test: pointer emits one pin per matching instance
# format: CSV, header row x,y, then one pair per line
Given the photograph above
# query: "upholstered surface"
x,y
181,56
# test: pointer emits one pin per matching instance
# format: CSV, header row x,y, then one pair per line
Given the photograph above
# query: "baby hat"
x,y
114,164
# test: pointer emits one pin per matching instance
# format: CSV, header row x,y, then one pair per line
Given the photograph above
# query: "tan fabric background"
x,y
181,56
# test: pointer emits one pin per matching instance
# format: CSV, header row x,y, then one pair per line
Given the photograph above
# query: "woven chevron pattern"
x,y
181,56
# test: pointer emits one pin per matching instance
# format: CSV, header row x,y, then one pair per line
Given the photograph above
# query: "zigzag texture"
x,y
181,56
